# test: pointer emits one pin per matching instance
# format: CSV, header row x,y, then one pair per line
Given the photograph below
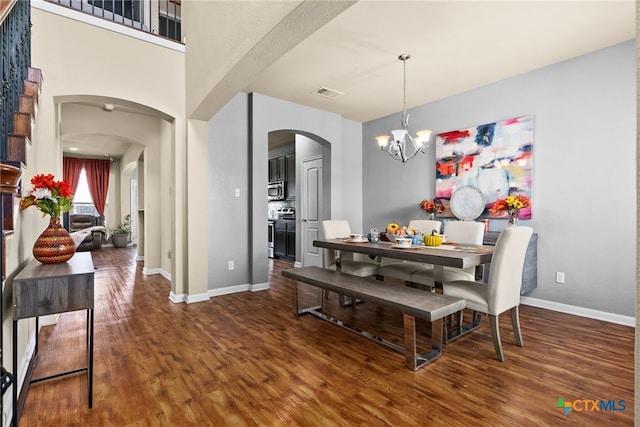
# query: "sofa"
x,y
87,232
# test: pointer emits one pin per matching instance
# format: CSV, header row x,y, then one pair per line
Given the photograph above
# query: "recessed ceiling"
x,y
455,46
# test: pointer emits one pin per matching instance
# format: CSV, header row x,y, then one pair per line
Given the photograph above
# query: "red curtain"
x,y
97,171
71,168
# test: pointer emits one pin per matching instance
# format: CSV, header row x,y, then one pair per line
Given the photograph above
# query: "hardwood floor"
x,y
245,360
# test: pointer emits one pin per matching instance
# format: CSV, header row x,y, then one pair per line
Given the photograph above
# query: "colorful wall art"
x,y
495,157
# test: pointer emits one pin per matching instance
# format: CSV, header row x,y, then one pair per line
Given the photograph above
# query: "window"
x,y
82,201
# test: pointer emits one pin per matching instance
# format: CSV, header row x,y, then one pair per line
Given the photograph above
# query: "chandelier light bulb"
x,y
383,140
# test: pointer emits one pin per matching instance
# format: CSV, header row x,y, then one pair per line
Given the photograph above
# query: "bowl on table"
x,y
404,242
393,237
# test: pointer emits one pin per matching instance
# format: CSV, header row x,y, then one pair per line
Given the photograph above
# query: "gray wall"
x,y
271,114
584,171
238,152
229,215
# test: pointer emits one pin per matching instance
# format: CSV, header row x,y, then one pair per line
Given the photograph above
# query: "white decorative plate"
x,y
467,203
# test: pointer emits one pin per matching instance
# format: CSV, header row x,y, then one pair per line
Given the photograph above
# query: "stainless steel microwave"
x,y
276,191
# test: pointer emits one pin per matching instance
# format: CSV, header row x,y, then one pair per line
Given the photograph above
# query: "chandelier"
x,y
402,146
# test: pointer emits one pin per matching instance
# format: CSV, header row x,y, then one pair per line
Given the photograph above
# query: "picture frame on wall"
x,y
496,158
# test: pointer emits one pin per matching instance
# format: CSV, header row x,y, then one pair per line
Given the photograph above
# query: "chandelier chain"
x,y
404,86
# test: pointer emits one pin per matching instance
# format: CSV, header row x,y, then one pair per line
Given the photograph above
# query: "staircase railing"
x,y
15,49
160,17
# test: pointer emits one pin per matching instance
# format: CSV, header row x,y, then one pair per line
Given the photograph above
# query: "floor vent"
x,y
327,93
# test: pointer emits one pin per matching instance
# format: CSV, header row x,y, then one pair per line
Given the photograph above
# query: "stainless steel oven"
x,y
272,236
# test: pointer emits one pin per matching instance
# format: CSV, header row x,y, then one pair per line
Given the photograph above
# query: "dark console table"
x,y
530,270
44,289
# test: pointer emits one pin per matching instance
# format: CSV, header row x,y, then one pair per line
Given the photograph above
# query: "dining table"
x,y
449,254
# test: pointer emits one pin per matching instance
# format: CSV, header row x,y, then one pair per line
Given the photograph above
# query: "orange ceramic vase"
x,y
54,245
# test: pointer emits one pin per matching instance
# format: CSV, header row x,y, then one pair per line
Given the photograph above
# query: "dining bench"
x,y
412,303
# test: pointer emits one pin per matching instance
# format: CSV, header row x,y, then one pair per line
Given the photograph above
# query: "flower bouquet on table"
x,y
54,198
510,204
49,196
432,207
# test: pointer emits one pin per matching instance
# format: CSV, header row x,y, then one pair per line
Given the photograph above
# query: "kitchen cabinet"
x,y
290,190
285,240
278,168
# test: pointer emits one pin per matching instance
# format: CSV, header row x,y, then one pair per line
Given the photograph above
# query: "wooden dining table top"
x,y
451,255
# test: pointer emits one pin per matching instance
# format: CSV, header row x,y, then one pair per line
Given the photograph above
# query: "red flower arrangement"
x,y
432,206
49,196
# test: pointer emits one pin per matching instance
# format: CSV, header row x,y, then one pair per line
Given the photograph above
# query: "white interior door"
x,y
311,211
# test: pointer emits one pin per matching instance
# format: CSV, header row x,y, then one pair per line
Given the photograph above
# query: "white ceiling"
x,y
455,46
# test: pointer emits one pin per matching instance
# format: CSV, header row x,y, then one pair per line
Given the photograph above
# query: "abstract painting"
x,y
494,157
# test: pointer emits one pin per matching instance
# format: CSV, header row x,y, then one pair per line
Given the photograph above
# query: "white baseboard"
x,y
151,271
177,298
197,298
579,311
189,299
161,271
50,319
228,290
7,409
259,287
19,377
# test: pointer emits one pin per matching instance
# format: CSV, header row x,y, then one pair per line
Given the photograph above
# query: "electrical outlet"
x,y
237,192
559,277
231,265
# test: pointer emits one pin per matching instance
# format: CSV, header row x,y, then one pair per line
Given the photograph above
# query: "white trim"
x,y
139,258
259,287
297,264
579,311
229,290
161,271
197,298
8,404
107,25
177,298
19,378
151,271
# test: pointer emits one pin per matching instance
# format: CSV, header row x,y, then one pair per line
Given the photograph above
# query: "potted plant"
x,y
120,235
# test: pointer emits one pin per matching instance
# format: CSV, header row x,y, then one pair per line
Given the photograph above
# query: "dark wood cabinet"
x,y
280,241
285,240
273,169
290,190
291,240
278,168
282,169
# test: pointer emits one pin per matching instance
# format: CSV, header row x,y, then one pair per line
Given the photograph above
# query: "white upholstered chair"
x,y
463,232
502,292
403,270
335,229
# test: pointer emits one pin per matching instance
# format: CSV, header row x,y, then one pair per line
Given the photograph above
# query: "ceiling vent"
x,y
327,93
